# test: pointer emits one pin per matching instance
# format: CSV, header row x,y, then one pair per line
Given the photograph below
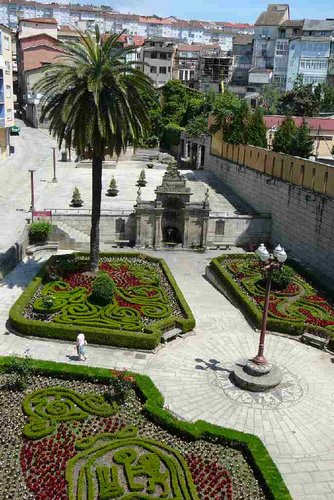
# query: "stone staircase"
x,y
79,239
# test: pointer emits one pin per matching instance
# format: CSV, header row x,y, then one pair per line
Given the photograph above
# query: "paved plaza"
x,y
295,421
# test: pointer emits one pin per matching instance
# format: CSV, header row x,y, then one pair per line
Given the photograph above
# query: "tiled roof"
x,y
260,70
318,25
242,39
314,123
273,16
293,23
42,20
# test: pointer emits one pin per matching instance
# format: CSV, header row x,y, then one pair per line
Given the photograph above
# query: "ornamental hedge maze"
x,y
130,302
297,307
72,439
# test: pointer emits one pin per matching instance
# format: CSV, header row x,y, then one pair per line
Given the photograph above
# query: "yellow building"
x,y
6,90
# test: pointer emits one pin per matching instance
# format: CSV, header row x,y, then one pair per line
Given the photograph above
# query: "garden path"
x,y
296,422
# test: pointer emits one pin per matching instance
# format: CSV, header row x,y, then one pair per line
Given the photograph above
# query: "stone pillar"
x,y
157,231
186,232
138,231
183,148
204,232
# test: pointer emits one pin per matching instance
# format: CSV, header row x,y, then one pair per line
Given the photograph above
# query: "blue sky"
x,y
220,10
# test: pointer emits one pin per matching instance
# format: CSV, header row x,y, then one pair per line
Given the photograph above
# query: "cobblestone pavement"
x,y
296,421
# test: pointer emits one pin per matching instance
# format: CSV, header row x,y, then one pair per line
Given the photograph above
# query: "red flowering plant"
x,y
212,481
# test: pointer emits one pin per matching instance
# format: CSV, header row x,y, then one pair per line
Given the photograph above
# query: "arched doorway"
x,y
172,221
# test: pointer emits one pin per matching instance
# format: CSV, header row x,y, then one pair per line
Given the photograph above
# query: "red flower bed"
x,y
121,276
212,481
44,462
312,320
316,298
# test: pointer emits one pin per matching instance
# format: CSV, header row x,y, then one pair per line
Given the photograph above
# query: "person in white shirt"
x,y
81,347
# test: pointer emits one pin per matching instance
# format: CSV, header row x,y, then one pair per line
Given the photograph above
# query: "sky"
x,y
219,10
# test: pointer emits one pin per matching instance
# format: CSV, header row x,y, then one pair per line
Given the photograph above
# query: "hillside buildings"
x,y
6,90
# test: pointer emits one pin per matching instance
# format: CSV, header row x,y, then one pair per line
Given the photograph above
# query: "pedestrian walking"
x,y
81,347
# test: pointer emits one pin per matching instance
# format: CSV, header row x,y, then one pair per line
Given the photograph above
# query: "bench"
x,y
121,243
171,334
219,244
310,339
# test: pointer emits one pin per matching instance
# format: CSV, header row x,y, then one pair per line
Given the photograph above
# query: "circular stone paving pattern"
x,y
288,392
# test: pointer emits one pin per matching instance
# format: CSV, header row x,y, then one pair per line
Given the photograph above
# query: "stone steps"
x,y
80,239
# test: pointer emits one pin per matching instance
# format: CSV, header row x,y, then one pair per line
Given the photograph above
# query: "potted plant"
x,y
150,165
142,179
112,191
76,198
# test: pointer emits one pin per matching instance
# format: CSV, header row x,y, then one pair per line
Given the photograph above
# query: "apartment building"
x,y
266,32
187,64
242,59
287,31
85,17
6,90
156,59
309,55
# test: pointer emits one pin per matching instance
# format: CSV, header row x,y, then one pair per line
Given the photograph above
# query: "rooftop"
x,y
273,16
315,124
242,39
318,25
41,20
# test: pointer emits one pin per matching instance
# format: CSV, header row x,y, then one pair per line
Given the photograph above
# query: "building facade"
x,y
6,91
155,59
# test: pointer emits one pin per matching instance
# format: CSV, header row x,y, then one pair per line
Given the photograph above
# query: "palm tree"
x,y
93,100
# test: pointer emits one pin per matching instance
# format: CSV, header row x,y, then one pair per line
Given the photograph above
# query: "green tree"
x,y
257,132
285,135
302,143
93,100
198,125
271,97
235,128
224,108
302,100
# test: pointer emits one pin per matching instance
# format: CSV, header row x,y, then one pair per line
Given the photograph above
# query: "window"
x,y
163,70
9,114
282,48
7,63
154,55
314,64
120,225
6,42
153,69
163,55
315,80
220,227
8,91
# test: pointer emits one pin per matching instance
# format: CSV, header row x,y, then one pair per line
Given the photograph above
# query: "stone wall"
x,y
238,230
302,218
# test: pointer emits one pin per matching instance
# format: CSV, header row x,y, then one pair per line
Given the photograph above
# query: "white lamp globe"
x,y
280,254
263,253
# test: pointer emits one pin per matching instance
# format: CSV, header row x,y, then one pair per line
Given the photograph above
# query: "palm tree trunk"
x,y
96,212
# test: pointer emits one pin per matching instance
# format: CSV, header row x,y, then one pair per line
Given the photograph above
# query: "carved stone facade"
x,y
171,219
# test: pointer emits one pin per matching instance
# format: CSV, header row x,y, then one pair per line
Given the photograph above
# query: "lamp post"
x,y
257,374
54,164
32,208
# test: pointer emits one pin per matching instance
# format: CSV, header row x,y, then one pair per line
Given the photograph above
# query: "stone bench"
x,y
49,245
121,243
310,339
170,334
225,244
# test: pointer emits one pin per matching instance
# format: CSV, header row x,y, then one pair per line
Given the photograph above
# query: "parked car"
x,y
14,130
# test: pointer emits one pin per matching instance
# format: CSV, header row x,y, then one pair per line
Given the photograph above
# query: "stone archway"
x,y
172,221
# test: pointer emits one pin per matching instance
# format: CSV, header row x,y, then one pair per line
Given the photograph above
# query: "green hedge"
x,y
248,307
147,339
252,446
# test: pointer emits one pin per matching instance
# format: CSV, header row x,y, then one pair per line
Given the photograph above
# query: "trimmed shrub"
x,y
142,179
76,198
103,289
281,278
112,191
39,232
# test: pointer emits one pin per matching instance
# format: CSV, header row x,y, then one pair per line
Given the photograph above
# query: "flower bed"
x,y
300,306
146,301
103,449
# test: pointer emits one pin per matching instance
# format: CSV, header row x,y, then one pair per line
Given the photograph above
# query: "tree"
x,y
271,97
223,110
257,132
235,128
302,100
302,143
198,125
93,100
285,135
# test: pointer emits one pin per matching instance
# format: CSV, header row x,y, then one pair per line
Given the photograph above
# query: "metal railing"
x,y
87,211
